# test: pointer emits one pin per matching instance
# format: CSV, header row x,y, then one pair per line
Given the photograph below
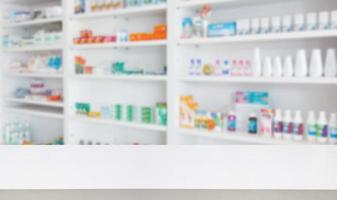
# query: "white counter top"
x,y
168,167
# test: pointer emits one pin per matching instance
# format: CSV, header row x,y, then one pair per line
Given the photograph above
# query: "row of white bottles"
x,y
278,67
316,130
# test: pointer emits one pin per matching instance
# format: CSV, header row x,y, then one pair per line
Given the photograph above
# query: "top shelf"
x,y
261,38
224,3
144,10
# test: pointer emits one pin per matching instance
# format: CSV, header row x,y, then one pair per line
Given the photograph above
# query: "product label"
x,y
278,127
322,131
333,132
287,128
298,129
231,126
252,126
312,130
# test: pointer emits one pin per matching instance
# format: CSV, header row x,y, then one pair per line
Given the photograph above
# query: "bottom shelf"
x,y
241,137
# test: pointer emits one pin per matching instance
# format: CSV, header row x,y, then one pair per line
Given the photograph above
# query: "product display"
x,y
87,36
39,92
265,121
84,6
269,66
130,113
246,72
112,68
21,133
194,26
26,15
36,39
17,133
47,63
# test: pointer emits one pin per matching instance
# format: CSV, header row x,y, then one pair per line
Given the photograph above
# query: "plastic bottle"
x,y
192,67
311,127
301,67
330,63
316,64
278,124
218,68
252,124
198,68
277,67
298,130
333,129
231,122
257,65
267,67
226,68
288,70
322,128
287,125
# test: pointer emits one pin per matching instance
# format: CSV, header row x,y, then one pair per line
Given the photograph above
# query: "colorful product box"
x,y
222,29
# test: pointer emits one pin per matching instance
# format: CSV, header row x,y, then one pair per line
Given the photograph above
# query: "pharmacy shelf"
x,y
37,22
127,12
53,113
33,49
33,102
149,127
36,75
244,138
123,77
262,80
260,38
120,45
223,3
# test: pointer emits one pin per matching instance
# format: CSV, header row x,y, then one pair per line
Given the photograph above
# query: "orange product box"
x,y
79,60
160,28
159,36
86,34
88,70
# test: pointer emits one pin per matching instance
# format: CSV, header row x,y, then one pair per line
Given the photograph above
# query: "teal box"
x,y
221,29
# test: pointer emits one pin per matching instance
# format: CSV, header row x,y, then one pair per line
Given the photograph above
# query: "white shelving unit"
x,y
213,93
45,117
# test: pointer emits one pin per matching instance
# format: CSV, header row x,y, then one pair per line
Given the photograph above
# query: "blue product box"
x,y
221,29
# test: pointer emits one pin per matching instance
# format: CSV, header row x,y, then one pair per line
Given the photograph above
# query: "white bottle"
x,y
265,25
257,65
330,63
287,23
311,127
299,24
218,68
298,129
277,67
198,68
267,67
322,128
301,67
278,124
324,21
312,23
333,18
287,125
316,64
255,25
192,67
226,68
333,129
288,70
276,24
